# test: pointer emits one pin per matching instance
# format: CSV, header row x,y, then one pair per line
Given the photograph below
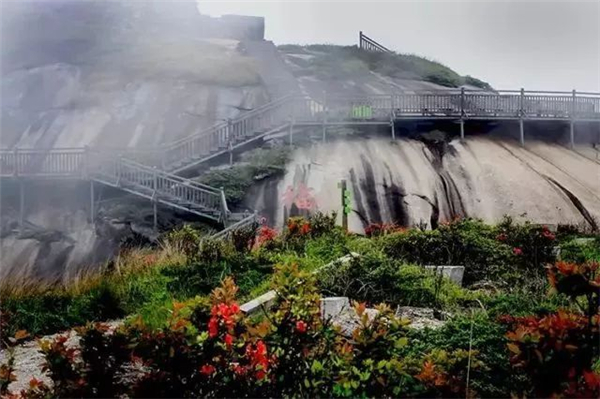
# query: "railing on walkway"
x,y
116,171
61,162
463,104
69,162
156,184
226,134
366,43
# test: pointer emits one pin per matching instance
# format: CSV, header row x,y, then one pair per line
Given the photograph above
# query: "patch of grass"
x,y
133,281
330,62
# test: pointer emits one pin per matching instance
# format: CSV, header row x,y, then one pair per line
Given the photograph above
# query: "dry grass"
x,y
127,263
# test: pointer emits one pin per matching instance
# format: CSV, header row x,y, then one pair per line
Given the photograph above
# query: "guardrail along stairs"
x,y
148,182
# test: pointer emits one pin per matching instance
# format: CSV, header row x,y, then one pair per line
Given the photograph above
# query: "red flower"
x,y
235,309
592,380
228,340
305,228
213,327
502,237
239,370
547,234
566,268
260,374
517,251
207,369
301,326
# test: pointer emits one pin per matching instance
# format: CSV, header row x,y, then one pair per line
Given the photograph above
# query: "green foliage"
x,y
509,255
471,81
523,303
185,238
331,62
256,165
581,250
494,377
375,278
214,351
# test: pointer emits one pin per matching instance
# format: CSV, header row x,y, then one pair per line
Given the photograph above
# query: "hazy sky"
x,y
536,45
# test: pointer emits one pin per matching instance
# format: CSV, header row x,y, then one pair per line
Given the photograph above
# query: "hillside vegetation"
x,y
327,61
185,334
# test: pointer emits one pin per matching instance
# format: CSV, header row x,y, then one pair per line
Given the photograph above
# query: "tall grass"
x,y
111,291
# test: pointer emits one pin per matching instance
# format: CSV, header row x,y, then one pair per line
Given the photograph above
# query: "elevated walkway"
x,y
153,173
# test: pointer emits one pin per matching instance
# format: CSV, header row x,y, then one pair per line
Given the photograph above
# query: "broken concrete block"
x,y
263,301
454,273
332,307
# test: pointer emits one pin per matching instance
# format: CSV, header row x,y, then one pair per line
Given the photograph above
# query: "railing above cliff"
x,y
366,43
301,110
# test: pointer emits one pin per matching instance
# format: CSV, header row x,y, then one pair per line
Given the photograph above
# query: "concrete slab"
x,y
454,273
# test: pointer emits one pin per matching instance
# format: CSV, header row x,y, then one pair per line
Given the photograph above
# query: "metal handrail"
x,y
247,221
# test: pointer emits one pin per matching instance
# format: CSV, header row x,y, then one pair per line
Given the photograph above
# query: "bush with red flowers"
x,y
289,352
558,351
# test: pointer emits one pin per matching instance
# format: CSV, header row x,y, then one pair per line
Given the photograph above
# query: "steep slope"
x,y
115,74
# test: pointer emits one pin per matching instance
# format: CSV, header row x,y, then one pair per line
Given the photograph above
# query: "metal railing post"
x,y
16,162
291,130
86,162
154,201
462,113
572,122
224,209
92,199
325,112
521,114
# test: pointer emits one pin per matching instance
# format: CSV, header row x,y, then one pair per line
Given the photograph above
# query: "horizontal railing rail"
x,y
366,43
157,184
61,162
226,134
245,222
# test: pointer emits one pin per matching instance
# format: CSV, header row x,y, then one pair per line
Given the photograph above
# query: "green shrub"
x,y
215,351
508,255
580,251
523,303
186,238
375,278
256,165
494,378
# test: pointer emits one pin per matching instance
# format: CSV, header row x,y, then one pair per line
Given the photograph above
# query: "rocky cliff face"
x,y
137,74
412,182
109,74
115,74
